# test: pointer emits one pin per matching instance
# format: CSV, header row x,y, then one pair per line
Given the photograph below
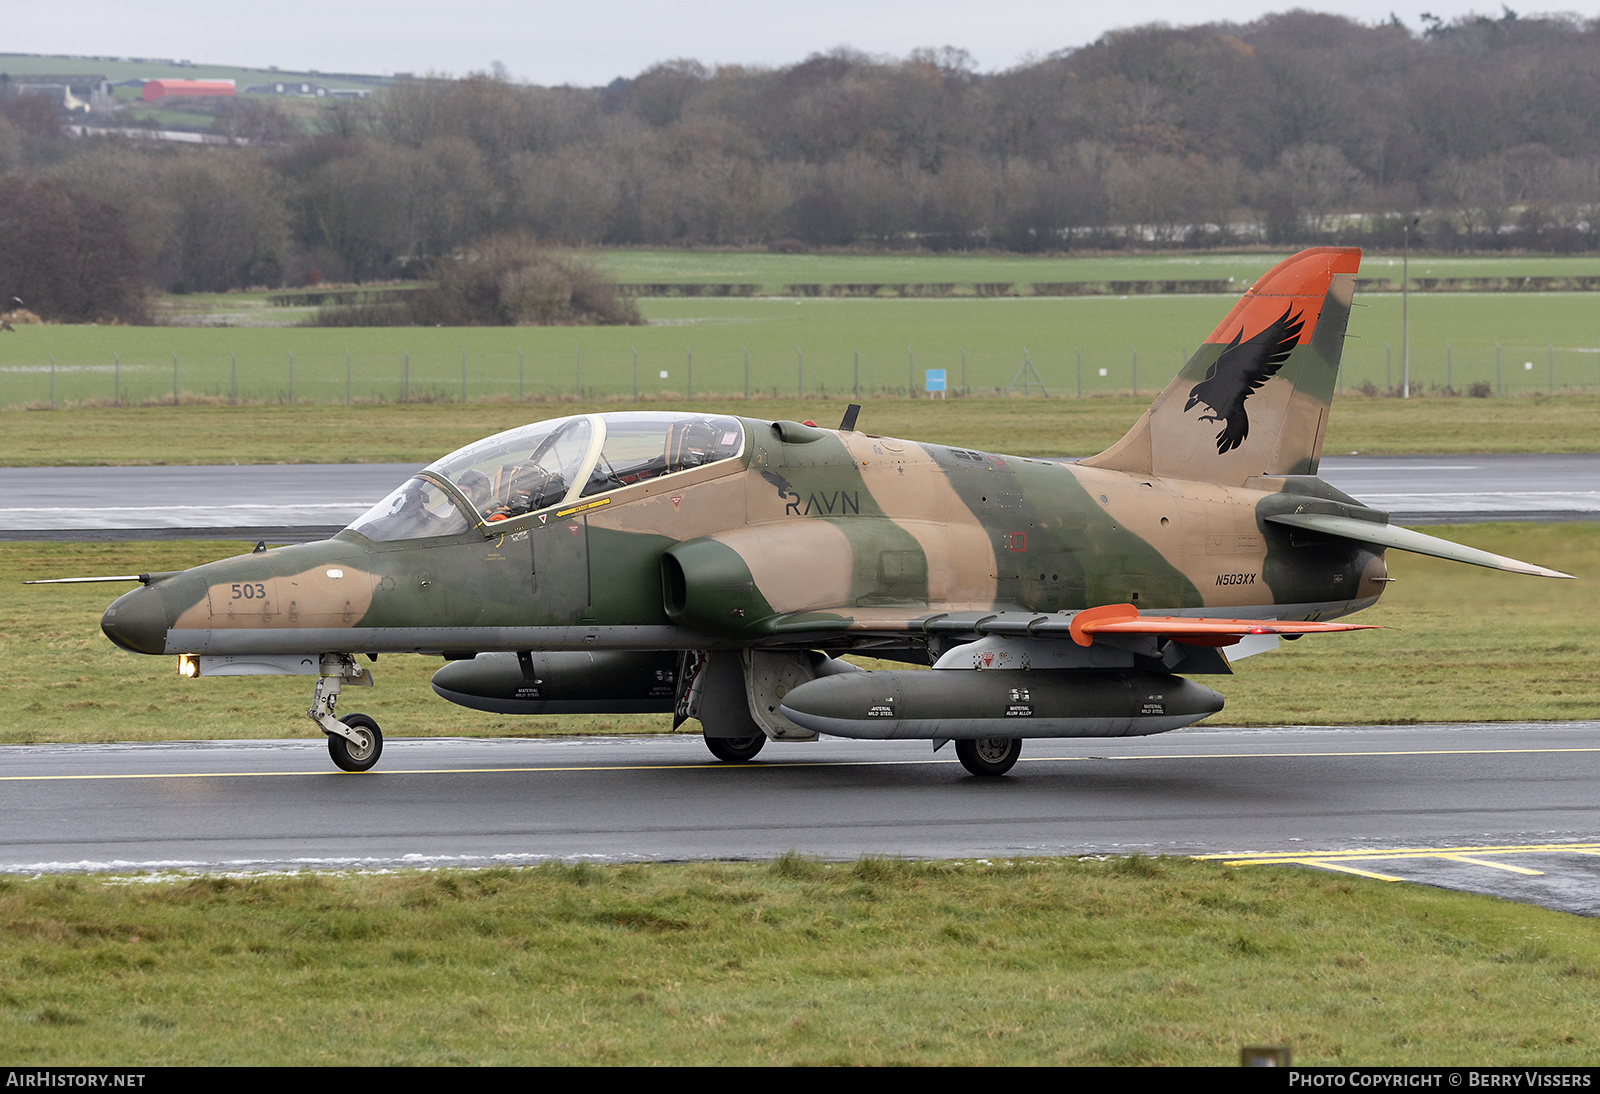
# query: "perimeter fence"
x,y
655,375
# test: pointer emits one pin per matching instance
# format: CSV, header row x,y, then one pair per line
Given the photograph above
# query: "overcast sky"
x,y
562,41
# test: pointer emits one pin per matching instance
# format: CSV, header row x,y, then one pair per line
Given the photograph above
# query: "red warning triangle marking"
x,y
677,500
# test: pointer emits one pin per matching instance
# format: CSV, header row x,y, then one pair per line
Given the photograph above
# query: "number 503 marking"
x,y
248,591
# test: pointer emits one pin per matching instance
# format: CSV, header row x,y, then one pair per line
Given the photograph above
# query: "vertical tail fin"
x,y
1254,399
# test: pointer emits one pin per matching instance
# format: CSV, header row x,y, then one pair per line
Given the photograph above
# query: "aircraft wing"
x,y
1081,627
1404,539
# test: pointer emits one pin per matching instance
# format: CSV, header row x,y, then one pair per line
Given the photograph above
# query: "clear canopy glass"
x,y
521,470
643,446
417,509
542,465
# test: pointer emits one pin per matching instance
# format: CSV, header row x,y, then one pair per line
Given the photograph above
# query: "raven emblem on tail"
x,y
1238,371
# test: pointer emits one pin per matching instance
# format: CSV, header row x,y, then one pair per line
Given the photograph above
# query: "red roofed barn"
x,y
163,89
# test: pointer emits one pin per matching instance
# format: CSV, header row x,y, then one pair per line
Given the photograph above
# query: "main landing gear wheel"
x,y
350,756
736,748
989,755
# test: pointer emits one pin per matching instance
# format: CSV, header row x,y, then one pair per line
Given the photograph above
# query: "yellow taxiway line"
x,y
768,765
1338,860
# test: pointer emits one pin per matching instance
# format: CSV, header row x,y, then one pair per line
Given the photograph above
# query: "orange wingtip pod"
x,y
1089,620
1299,284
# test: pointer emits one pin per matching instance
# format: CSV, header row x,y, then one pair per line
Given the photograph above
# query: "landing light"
x,y
188,665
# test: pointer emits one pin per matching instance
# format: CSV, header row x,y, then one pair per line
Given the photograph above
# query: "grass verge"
x,y
421,433
1125,961
1460,643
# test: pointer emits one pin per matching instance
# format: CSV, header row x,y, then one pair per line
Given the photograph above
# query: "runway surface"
x,y
310,501
1509,809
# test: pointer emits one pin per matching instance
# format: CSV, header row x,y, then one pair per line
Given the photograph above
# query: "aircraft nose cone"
x,y
137,621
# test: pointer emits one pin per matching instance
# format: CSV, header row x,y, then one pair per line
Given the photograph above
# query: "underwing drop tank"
x,y
954,704
603,682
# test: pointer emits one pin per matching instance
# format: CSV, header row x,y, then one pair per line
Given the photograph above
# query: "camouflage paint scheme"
x,y
817,539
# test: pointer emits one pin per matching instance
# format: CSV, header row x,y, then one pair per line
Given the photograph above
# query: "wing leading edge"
x,y
1081,627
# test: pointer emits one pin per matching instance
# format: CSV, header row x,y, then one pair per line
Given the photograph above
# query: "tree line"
x,y
1292,129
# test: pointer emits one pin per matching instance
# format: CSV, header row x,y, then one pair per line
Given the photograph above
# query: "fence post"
x,y
174,378
463,374
1388,368
522,372
116,380
1135,350
233,378
291,374
579,351
1551,350
347,376
855,356
1449,370
53,378
746,371
800,372
1499,388
1079,351
911,374
964,392
690,352
405,387
636,374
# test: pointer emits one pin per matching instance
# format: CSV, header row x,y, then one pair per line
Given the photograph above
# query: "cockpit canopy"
x,y
549,463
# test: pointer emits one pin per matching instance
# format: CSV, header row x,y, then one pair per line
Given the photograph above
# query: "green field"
x,y
1460,643
23,64
1548,341
1127,961
774,271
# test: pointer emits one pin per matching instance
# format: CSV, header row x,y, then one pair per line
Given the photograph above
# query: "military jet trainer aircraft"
x,y
716,566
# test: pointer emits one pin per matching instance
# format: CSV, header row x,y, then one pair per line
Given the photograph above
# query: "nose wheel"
x,y
363,752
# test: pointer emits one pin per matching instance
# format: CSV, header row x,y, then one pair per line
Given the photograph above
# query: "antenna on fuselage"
x,y
848,425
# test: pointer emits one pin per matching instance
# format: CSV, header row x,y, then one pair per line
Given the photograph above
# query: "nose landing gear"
x,y
354,742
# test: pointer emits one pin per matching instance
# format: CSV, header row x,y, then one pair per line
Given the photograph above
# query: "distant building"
x,y
72,92
308,90
155,90
284,88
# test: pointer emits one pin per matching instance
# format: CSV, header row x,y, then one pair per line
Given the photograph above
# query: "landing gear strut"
x,y
989,755
354,741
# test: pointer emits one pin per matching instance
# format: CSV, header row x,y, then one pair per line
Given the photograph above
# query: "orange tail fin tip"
x,y
1265,376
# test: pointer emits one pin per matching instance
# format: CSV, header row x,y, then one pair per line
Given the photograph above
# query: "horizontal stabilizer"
x,y
1404,539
